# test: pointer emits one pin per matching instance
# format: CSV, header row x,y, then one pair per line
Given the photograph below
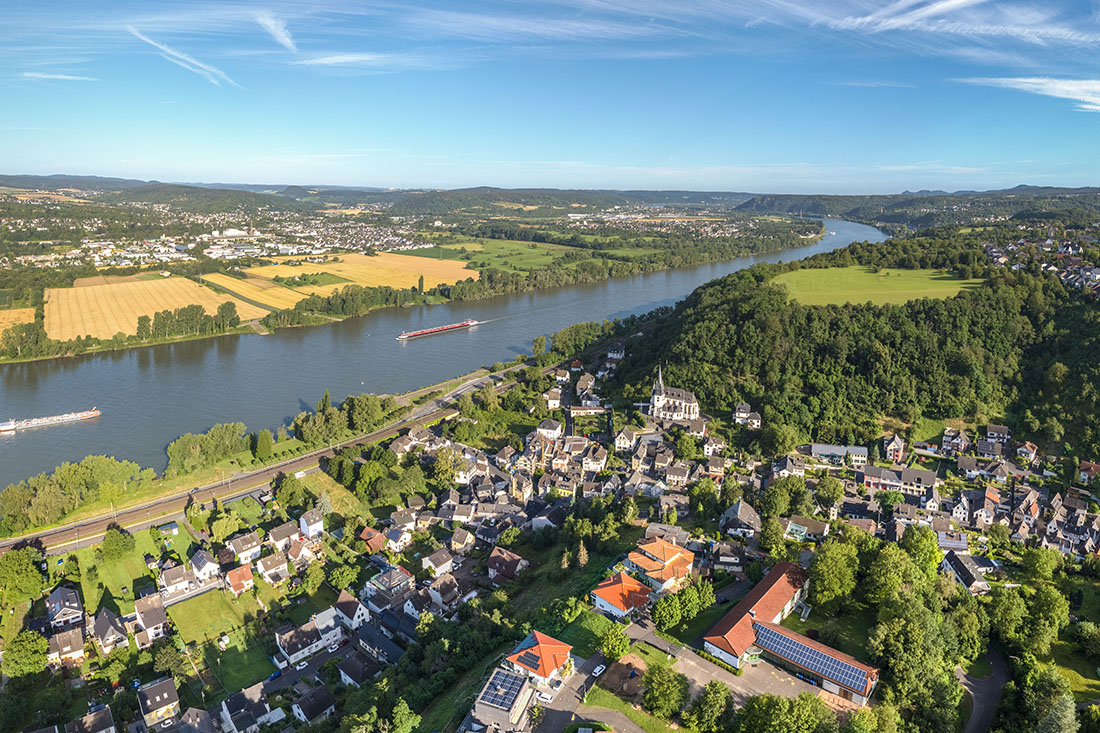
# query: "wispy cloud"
x,y
931,166
1086,92
374,61
59,77
212,74
276,27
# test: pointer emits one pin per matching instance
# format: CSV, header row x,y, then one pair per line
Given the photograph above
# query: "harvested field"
x,y
104,310
394,270
82,282
257,289
13,316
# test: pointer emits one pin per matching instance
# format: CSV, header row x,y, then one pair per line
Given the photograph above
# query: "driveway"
x,y
986,693
291,676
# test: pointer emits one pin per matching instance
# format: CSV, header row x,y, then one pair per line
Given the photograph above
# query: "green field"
x,y
840,285
117,579
585,632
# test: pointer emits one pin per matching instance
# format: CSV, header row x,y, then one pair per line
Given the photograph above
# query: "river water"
x,y
149,396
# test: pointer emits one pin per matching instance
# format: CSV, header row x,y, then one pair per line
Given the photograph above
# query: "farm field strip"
x,y
840,285
13,316
104,310
386,269
257,289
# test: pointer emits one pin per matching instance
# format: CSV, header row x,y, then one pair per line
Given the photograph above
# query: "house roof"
x,y
272,563
239,577
623,592
314,703
63,601
194,720
504,561
284,531
823,660
439,558
150,611
347,604
359,667
540,654
375,540
97,722
734,632
157,695
244,542
107,626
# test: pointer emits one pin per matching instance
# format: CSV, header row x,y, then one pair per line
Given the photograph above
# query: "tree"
x,y
265,446
1062,718
923,547
779,438
614,643
771,535
775,499
168,659
1040,563
830,490
1048,603
508,537
666,691
445,465
887,572
117,543
25,654
224,526
291,492
999,535
582,555
343,576
403,719
420,285
488,398
707,597
314,576
832,575
667,612
538,346
689,602
887,500
709,709
686,447
628,510
1007,611
19,574
144,329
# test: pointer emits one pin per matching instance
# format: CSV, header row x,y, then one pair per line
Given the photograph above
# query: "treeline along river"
x,y
149,396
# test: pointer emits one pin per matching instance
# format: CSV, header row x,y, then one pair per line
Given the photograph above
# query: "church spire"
x,y
660,381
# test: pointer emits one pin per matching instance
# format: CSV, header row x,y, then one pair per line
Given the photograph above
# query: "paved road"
x,y
564,709
986,693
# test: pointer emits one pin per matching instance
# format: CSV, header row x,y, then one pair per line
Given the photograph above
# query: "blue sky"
x,y
845,96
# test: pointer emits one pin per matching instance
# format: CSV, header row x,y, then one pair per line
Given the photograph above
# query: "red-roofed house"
x,y
540,657
663,564
240,579
376,541
620,595
753,630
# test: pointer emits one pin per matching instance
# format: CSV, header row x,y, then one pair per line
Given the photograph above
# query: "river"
x,y
150,396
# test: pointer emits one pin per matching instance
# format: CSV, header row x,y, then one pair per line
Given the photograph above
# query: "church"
x,y
670,403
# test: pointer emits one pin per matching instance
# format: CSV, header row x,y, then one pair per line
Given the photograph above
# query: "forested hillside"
x,y
204,200
1020,346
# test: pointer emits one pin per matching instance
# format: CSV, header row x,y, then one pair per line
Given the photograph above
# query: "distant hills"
x,y
912,209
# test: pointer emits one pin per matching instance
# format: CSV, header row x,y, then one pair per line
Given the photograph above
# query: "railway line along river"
x,y
150,396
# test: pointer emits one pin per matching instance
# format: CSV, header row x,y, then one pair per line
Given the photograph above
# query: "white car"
x,y
301,665
333,647
599,670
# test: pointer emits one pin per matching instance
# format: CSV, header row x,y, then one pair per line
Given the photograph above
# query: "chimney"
x,y
752,613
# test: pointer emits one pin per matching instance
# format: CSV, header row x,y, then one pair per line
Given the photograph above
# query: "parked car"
x,y
301,665
275,675
333,647
599,670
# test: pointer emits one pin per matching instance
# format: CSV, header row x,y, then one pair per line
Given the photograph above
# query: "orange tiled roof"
x,y
623,592
661,549
767,598
237,577
549,654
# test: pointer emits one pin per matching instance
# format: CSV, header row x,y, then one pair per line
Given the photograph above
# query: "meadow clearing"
x,y
840,285
12,316
257,289
386,269
104,310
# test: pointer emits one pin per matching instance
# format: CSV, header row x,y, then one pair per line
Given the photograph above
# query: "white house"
x,y
351,611
312,523
301,642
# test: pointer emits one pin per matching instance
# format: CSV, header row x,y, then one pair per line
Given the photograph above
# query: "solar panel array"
x,y
810,658
502,689
529,659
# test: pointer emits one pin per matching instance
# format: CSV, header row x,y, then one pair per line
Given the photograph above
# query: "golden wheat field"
x,y
257,289
104,310
394,270
13,316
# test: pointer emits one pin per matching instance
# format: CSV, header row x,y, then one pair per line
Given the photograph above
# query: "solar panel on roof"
x,y
529,659
810,658
502,689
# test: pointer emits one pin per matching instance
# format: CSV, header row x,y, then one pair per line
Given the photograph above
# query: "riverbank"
x,y
150,396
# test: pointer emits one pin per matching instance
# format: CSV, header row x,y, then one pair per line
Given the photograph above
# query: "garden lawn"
x,y
343,501
840,285
1081,673
205,617
124,572
244,662
651,655
585,632
851,630
601,698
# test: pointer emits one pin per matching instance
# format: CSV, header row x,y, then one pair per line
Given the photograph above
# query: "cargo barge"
x,y
406,335
10,426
